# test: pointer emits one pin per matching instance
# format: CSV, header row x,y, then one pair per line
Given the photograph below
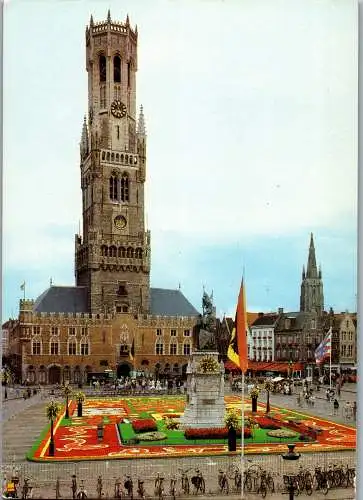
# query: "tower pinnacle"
x,y
84,146
311,271
141,129
108,16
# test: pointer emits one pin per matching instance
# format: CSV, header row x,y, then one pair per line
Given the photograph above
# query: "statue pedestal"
x,y
205,394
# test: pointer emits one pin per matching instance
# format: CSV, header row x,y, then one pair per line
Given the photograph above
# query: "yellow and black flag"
x,y
132,351
237,350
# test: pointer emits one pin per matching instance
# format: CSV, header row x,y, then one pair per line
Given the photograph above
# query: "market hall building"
x,y
111,319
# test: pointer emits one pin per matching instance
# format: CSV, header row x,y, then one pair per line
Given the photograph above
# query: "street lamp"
x,y
290,482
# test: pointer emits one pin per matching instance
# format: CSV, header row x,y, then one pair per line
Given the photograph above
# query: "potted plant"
x,y
232,423
80,397
67,391
254,396
268,387
52,410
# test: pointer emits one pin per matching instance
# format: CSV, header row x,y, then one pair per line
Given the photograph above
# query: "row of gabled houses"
x,y
286,341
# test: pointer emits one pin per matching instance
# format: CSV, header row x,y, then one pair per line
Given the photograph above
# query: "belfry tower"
x,y
112,258
312,296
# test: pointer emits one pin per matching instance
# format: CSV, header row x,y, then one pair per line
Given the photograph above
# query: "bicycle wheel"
x,y
202,485
325,486
308,486
185,485
270,483
248,483
263,489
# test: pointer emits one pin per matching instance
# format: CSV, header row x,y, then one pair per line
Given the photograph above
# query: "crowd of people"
x,y
143,385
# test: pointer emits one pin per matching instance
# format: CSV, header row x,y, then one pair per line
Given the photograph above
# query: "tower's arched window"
x,y
129,74
113,187
125,187
117,69
103,69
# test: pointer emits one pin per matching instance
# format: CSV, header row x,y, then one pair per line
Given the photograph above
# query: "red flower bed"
x,y
144,425
267,423
213,433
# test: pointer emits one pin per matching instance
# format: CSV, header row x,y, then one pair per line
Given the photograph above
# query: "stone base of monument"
x,y
205,391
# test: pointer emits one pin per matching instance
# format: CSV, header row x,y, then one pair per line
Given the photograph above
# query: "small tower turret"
x,y
84,145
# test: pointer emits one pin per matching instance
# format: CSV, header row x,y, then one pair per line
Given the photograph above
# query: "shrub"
x,y
267,423
213,433
144,425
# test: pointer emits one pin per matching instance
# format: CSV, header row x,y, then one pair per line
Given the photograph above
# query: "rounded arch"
x,y
54,374
113,251
124,369
104,251
130,252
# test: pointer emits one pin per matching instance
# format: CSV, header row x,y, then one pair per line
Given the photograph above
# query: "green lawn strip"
x,y
176,437
36,444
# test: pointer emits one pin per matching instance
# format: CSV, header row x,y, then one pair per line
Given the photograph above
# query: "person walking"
x,y
355,410
335,407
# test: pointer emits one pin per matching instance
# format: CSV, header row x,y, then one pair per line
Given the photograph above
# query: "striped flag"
x,y
323,350
237,350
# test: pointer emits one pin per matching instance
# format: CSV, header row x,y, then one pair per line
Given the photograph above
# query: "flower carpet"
x,y
76,438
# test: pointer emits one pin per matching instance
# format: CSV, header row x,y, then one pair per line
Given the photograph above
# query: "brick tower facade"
x,y
112,258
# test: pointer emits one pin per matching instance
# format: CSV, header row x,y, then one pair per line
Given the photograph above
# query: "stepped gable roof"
x,y
165,302
73,299
62,299
266,320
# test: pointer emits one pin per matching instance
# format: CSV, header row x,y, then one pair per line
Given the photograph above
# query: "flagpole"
x,y
242,433
331,348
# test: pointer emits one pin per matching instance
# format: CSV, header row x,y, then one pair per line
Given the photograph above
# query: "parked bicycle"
x,y
140,488
99,487
159,487
118,488
322,480
82,493
198,482
223,482
185,486
305,481
27,490
172,489
129,486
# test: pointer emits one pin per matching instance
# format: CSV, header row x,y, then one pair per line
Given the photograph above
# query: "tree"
x,y
80,397
268,388
67,391
52,410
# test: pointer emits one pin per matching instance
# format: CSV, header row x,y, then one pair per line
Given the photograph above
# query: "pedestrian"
x,y
355,410
336,407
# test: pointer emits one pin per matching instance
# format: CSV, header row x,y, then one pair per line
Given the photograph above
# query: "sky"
x,y
251,116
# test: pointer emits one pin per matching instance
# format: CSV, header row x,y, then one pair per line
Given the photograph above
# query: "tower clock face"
x,y
118,109
120,222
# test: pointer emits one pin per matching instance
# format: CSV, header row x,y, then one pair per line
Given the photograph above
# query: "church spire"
x,y
141,129
84,146
312,295
109,16
311,271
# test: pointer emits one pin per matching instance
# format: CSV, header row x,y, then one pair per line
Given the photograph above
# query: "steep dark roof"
x,y
73,299
266,320
62,299
164,302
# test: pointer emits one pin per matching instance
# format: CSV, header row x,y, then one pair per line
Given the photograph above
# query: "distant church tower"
x,y
112,257
311,297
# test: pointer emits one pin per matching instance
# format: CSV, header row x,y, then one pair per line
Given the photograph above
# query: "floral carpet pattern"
x,y
76,438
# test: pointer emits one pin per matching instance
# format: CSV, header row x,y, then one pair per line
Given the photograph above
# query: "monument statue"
x,y
206,326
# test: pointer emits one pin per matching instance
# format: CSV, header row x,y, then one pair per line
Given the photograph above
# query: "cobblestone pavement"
x,y
23,420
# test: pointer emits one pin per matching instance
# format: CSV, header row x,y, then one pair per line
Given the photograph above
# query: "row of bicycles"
x,y
191,481
335,476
